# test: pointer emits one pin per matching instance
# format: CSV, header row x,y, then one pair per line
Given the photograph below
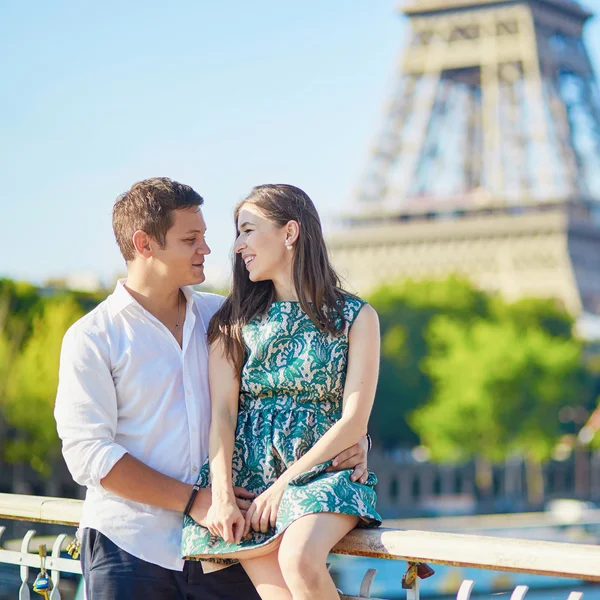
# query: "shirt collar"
x,y
121,298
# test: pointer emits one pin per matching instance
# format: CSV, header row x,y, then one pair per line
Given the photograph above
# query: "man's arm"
x,y
354,458
86,416
133,480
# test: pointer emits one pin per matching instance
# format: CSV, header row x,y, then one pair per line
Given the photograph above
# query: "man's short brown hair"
x,y
148,207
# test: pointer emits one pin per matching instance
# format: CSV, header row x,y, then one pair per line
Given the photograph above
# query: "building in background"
x,y
488,164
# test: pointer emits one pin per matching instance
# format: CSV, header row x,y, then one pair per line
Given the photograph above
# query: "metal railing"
x,y
553,559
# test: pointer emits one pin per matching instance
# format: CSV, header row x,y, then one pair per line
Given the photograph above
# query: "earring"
x,y
289,247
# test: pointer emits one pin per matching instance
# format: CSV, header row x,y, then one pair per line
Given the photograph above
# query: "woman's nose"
x,y
238,246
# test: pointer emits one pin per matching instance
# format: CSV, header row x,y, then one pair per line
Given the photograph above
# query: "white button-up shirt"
x,y
125,386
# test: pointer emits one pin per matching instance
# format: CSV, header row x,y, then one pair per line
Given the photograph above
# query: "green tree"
x,y
29,400
541,313
405,311
19,303
498,385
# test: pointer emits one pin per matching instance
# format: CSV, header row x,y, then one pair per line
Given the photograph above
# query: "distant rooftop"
x,y
423,6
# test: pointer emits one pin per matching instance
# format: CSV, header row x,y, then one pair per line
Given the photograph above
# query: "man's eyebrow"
x,y
194,231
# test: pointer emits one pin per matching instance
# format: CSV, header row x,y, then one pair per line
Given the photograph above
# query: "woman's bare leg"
x,y
265,574
303,554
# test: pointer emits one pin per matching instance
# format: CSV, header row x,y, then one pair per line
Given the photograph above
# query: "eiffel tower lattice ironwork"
x,y
489,159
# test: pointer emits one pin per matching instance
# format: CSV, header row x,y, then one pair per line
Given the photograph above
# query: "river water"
x,y
348,571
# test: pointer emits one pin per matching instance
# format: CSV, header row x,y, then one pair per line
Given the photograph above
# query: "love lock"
x,y
420,570
74,548
43,583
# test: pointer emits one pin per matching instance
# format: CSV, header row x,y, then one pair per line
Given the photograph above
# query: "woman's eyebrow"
x,y
244,224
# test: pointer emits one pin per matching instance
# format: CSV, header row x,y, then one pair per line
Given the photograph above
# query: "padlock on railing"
x,y
74,548
420,570
43,583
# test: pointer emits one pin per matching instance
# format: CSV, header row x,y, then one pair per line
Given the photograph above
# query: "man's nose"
x,y
204,249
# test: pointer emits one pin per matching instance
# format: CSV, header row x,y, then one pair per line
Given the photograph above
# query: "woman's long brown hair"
x,y
316,282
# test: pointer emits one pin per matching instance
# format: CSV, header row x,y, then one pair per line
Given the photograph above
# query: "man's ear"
x,y
142,243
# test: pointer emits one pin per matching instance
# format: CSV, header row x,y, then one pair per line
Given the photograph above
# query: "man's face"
x,y
182,259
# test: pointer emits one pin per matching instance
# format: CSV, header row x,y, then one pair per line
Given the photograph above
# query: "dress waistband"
x,y
250,403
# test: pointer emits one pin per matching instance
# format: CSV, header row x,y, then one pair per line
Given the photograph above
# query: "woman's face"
x,y
261,244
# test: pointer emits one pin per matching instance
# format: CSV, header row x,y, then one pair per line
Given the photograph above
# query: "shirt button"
x,y
187,393
195,469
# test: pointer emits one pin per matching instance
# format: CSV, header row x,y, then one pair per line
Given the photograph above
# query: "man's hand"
x,y
355,458
202,504
243,499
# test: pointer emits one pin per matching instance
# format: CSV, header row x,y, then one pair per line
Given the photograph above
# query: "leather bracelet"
x,y
190,503
369,443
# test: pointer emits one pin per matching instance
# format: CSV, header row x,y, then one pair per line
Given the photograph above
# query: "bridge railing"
x,y
554,559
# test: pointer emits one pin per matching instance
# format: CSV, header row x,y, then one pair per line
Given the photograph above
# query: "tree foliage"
x,y
462,372
405,312
497,389
31,386
467,374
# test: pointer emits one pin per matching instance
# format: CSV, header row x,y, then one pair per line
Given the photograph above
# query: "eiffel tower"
x,y
488,164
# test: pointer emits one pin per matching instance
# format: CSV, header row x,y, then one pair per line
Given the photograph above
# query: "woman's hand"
x,y
262,513
225,520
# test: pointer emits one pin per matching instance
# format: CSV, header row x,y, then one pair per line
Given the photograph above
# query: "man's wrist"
x,y
201,505
191,500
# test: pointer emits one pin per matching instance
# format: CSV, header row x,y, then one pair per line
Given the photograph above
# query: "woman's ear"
x,y
292,233
142,243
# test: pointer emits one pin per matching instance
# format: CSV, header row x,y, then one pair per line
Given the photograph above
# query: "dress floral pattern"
x,y
291,391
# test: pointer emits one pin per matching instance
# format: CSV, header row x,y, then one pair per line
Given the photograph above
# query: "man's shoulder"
x,y
93,323
208,302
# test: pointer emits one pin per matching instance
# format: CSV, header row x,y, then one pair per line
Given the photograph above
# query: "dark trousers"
x,y
113,574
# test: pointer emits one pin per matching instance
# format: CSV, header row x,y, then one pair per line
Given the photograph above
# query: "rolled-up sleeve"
x,y
86,408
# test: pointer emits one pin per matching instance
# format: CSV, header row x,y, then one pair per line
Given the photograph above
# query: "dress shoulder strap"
x,y
352,306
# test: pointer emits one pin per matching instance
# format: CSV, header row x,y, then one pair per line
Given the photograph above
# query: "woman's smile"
x,y
248,258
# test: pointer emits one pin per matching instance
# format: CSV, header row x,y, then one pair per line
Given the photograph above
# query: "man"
x,y
133,407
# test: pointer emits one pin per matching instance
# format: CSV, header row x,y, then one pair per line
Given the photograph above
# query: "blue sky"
x,y
220,95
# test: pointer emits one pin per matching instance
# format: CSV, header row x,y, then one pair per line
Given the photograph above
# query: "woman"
x,y
293,370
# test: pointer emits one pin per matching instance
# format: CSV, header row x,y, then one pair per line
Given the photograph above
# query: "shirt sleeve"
x,y
86,410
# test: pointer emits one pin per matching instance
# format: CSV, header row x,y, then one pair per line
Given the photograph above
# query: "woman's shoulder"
x,y
352,306
352,303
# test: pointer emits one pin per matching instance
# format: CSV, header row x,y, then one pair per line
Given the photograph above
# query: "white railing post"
x,y
24,570
55,573
519,592
412,593
464,592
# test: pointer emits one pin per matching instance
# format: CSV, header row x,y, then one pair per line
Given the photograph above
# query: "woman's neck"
x,y
286,295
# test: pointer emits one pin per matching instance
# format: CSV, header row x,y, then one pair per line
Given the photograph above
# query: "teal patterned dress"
x,y
291,392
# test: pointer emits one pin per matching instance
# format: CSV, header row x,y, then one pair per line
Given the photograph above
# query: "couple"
x,y
290,363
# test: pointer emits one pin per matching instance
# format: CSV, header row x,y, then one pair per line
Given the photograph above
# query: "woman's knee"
x,y
300,566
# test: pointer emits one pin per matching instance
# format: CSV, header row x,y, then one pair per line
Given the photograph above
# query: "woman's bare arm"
x,y
224,392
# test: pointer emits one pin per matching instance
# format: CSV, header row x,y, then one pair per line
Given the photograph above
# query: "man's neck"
x,y
156,296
